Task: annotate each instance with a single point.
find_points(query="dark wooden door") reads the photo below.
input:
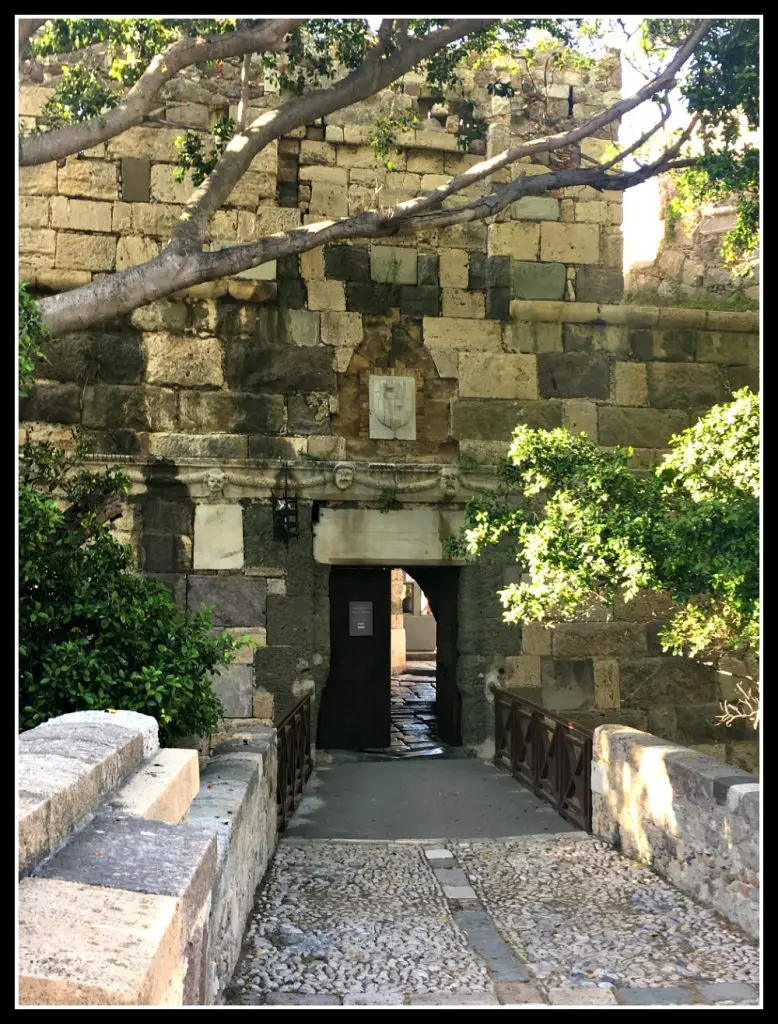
(441, 585)
(354, 712)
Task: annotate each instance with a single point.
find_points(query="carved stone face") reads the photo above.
(449, 480)
(344, 475)
(215, 479)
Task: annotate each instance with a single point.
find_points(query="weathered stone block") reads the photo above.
(88, 179)
(229, 412)
(303, 325)
(347, 262)
(393, 265)
(38, 181)
(277, 367)
(34, 242)
(514, 238)
(535, 208)
(476, 270)
(567, 684)
(459, 302)
(186, 361)
(132, 250)
(538, 280)
(597, 639)
(495, 419)
(52, 403)
(326, 295)
(684, 386)
(461, 333)
(237, 600)
(569, 243)
(573, 375)
(599, 284)
(166, 552)
(419, 300)
(34, 212)
(606, 683)
(630, 385)
(498, 303)
(495, 375)
(453, 268)
(308, 414)
(133, 408)
(136, 180)
(79, 215)
(234, 686)
(654, 682)
(218, 537)
(728, 348)
(640, 428)
(85, 252)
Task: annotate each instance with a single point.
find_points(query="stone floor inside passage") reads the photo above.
(389, 888)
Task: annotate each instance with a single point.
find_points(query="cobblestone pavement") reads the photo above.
(554, 919)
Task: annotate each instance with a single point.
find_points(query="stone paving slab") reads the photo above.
(670, 996)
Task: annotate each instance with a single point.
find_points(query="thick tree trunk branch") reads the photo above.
(27, 29)
(40, 149)
(378, 70)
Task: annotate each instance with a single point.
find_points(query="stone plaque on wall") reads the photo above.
(393, 408)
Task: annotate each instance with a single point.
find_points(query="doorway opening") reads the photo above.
(413, 690)
(392, 690)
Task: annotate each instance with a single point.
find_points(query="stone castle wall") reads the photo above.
(516, 320)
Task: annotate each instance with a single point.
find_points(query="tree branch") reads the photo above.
(62, 142)
(378, 70)
(27, 29)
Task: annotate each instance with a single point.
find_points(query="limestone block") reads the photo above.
(569, 243)
(580, 417)
(37, 241)
(34, 212)
(61, 280)
(640, 428)
(684, 385)
(573, 375)
(494, 419)
(234, 686)
(162, 789)
(393, 265)
(522, 671)
(453, 268)
(77, 215)
(332, 133)
(728, 348)
(317, 153)
(85, 252)
(112, 947)
(535, 639)
(165, 188)
(157, 144)
(446, 362)
(186, 361)
(426, 163)
(88, 179)
(535, 208)
(312, 265)
(593, 213)
(463, 236)
(136, 180)
(519, 336)
(328, 200)
(272, 220)
(376, 537)
(157, 219)
(531, 280)
(236, 600)
(251, 188)
(32, 99)
(567, 683)
(497, 375)
(132, 250)
(194, 115)
(598, 639)
(341, 329)
(459, 302)
(514, 238)
(323, 447)
(218, 537)
(326, 295)
(303, 326)
(460, 333)
(606, 683)
(337, 177)
(600, 284)
(40, 180)
(630, 385)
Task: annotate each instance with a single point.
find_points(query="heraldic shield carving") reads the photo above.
(393, 408)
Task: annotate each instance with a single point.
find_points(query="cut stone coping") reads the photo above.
(633, 316)
(66, 930)
(67, 766)
(163, 788)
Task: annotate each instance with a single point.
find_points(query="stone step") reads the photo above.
(87, 945)
(162, 789)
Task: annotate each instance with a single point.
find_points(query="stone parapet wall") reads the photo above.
(694, 820)
(138, 876)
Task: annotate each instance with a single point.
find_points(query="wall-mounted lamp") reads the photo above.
(285, 518)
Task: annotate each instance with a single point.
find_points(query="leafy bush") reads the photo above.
(93, 634)
(582, 525)
(32, 333)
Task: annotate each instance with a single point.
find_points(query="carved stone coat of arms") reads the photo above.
(393, 408)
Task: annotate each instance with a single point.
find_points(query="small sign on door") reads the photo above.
(360, 618)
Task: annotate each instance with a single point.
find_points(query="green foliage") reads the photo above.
(191, 157)
(383, 133)
(32, 334)
(722, 89)
(734, 304)
(93, 634)
(471, 126)
(79, 96)
(582, 524)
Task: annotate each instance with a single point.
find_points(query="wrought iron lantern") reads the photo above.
(285, 517)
